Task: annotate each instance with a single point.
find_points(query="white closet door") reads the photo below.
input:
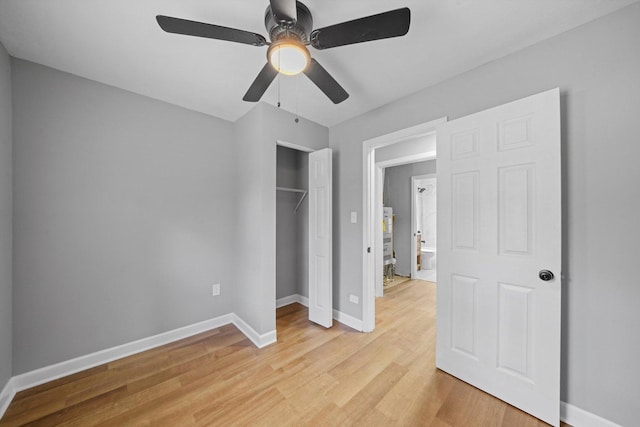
(320, 238)
(499, 228)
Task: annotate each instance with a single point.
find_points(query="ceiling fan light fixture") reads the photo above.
(288, 57)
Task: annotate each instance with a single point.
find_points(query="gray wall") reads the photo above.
(251, 291)
(256, 136)
(596, 67)
(397, 194)
(124, 216)
(6, 280)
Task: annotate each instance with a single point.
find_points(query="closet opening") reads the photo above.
(292, 227)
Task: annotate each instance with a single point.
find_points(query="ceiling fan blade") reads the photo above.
(385, 25)
(327, 84)
(284, 10)
(261, 83)
(200, 29)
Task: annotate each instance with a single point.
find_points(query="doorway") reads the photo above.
(424, 227)
(292, 220)
(399, 237)
(395, 149)
(304, 232)
(499, 222)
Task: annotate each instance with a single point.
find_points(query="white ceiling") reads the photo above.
(118, 42)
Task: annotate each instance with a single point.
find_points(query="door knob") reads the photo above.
(545, 275)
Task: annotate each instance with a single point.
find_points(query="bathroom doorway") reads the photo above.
(399, 226)
(424, 227)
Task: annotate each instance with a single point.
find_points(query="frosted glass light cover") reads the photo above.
(289, 59)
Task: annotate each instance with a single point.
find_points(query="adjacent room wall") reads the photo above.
(397, 194)
(6, 280)
(124, 216)
(596, 67)
(256, 134)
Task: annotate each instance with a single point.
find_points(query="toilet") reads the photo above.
(428, 258)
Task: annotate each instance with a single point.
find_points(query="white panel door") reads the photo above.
(499, 226)
(320, 230)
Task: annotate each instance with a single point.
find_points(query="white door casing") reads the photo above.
(499, 224)
(320, 238)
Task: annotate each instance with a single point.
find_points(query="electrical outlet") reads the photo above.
(354, 299)
(215, 289)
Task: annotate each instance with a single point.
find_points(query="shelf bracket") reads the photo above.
(295, 190)
(300, 202)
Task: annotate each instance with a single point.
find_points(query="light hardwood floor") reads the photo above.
(312, 376)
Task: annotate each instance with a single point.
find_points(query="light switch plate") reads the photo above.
(354, 217)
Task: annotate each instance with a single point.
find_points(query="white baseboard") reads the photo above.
(68, 367)
(345, 319)
(569, 414)
(6, 396)
(281, 302)
(72, 366)
(291, 299)
(577, 417)
(260, 340)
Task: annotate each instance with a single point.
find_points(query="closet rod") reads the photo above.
(295, 190)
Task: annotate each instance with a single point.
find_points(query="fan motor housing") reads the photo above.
(300, 29)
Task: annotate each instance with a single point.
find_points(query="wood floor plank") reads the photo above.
(312, 376)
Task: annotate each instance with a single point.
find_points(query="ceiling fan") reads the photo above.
(289, 24)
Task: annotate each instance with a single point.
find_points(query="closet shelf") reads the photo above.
(294, 190)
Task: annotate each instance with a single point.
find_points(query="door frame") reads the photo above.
(372, 212)
(302, 149)
(293, 146)
(414, 220)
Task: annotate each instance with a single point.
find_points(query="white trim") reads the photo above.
(260, 340)
(6, 396)
(577, 417)
(369, 174)
(405, 160)
(368, 294)
(377, 247)
(291, 299)
(68, 367)
(339, 316)
(281, 302)
(569, 414)
(347, 320)
(71, 366)
(294, 146)
(423, 129)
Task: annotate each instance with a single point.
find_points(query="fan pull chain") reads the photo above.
(279, 78)
(297, 119)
